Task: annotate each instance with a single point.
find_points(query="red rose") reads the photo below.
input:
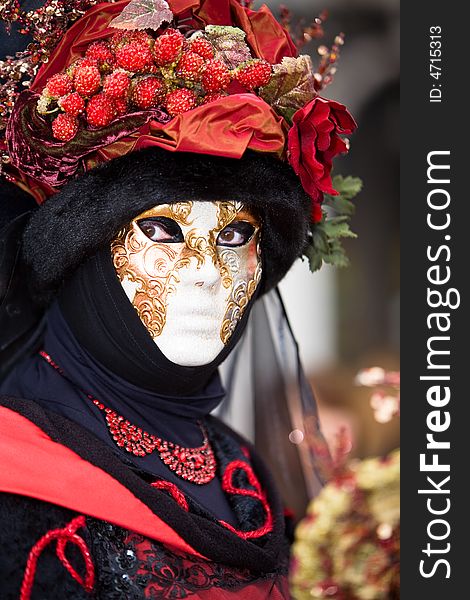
(313, 142)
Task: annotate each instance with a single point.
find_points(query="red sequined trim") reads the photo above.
(257, 493)
(197, 465)
(63, 536)
(172, 489)
(229, 488)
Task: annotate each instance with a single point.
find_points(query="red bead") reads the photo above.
(193, 464)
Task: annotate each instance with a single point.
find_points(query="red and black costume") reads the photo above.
(146, 532)
(143, 542)
(216, 105)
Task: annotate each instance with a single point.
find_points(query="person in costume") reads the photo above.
(157, 141)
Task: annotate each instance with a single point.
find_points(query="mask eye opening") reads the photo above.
(236, 234)
(161, 229)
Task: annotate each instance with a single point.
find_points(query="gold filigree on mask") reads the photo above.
(226, 213)
(174, 279)
(152, 268)
(198, 247)
(150, 271)
(243, 288)
(155, 277)
(180, 212)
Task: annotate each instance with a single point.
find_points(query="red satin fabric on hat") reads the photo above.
(213, 12)
(226, 127)
(267, 38)
(181, 6)
(231, 124)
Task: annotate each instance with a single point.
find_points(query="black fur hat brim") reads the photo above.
(89, 211)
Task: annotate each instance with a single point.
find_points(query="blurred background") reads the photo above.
(348, 319)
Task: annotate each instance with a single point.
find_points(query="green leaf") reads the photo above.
(291, 86)
(338, 227)
(347, 188)
(325, 245)
(314, 257)
(229, 44)
(320, 239)
(337, 258)
(340, 205)
(143, 14)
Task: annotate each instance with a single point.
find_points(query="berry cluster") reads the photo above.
(135, 71)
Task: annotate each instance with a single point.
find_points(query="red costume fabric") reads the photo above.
(103, 542)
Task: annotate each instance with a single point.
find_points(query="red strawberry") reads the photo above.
(216, 76)
(120, 104)
(121, 38)
(101, 52)
(168, 47)
(59, 85)
(135, 57)
(171, 31)
(190, 66)
(81, 62)
(203, 47)
(116, 84)
(86, 79)
(253, 74)
(100, 110)
(64, 127)
(73, 104)
(148, 92)
(180, 101)
(212, 97)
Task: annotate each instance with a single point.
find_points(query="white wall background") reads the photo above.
(310, 300)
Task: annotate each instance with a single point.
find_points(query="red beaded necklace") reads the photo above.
(193, 464)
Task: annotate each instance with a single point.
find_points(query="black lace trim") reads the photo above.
(132, 566)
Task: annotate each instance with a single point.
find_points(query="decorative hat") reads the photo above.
(199, 77)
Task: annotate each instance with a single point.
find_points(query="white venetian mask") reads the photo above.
(190, 269)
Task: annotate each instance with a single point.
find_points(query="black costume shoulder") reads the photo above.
(129, 563)
(25, 521)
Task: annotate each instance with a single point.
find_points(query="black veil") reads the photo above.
(270, 401)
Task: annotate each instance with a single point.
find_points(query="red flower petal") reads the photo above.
(313, 142)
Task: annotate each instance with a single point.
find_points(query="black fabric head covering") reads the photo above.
(87, 214)
(106, 324)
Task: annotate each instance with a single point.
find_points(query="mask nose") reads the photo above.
(206, 276)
